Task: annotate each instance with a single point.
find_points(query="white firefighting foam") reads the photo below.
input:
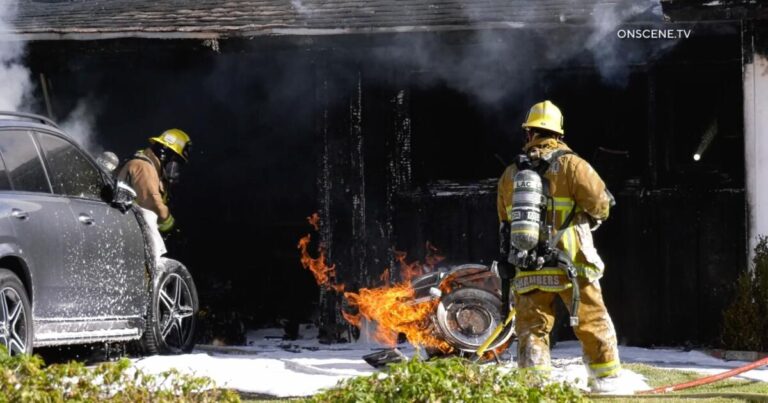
(274, 367)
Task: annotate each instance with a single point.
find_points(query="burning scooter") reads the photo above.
(467, 312)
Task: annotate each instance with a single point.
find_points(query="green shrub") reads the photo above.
(25, 378)
(761, 283)
(745, 320)
(448, 380)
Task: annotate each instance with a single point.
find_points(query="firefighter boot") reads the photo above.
(609, 385)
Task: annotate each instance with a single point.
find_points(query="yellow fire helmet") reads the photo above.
(545, 115)
(176, 140)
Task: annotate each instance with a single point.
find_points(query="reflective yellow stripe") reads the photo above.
(565, 240)
(166, 225)
(604, 364)
(538, 368)
(607, 373)
(588, 271)
(602, 370)
(543, 288)
(571, 248)
(563, 207)
(563, 202)
(542, 272)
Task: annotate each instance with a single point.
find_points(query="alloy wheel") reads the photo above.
(175, 311)
(13, 322)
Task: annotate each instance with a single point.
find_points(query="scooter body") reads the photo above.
(468, 308)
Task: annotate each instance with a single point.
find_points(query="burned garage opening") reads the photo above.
(396, 137)
(251, 179)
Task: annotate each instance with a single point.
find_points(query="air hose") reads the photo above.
(576, 293)
(565, 262)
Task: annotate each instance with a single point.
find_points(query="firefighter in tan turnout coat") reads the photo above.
(577, 191)
(149, 172)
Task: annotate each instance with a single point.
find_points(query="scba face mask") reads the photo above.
(172, 171)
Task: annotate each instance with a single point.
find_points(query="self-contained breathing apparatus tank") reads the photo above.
(528, 210)
(528, 221)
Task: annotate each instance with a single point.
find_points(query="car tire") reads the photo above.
(15, 315)
(172, 315)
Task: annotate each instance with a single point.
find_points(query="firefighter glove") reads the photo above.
(167, 224)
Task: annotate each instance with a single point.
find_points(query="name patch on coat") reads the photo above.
(538, 280)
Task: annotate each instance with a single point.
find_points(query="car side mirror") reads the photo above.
(123, 196)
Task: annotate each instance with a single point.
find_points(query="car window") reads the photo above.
(5, 183)
(70, 171)
(22, 161)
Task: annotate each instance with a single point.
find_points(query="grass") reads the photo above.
(728, 390)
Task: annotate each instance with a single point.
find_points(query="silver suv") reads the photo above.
(75, 262)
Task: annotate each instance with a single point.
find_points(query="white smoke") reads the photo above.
(16, 87)
(492, 65)
(80, 124)
(611, 59)
(606, 18)
(300, 7)
(15, 78)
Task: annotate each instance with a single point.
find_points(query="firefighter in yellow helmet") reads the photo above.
(150, 172)
(579, 201)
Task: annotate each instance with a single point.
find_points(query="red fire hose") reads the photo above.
(707, 379)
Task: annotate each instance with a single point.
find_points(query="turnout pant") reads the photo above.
(535, 318)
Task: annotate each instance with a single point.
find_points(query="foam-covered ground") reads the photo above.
(271, 366)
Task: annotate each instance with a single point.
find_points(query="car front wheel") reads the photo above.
(171, 318)
(15, 315)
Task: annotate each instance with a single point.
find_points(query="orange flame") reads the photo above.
(314, 221)
(408, 271)
(394, 311)
(391, 307)
(385, 277)
(432, 257)
(324, 275)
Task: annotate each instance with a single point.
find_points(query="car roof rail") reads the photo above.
(30, 116)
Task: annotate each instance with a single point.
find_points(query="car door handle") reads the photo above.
(85, 219)
(21, 215)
